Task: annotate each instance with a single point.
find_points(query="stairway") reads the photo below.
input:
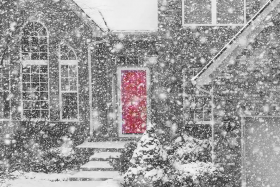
(98, 167)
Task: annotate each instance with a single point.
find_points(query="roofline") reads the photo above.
(84, 17)
(231, 41)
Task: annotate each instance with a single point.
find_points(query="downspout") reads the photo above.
(212, 121)
(90, 92)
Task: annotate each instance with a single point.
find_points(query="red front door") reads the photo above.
(134, 101)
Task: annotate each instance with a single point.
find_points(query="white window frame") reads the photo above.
(6, 62)
(119, 70)
(213, 16)
(35, 62)
(69, 63)
(196, 121)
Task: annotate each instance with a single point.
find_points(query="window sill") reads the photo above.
(69, 120)
(213, 25)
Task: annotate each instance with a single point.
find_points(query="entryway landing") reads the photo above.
(103, 145)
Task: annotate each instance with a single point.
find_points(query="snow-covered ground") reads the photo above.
(54, 180)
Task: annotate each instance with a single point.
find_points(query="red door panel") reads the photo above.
(134, 101)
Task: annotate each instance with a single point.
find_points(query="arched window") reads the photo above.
(35, 71)
(68, 65)
(67, 53)
(34, 42)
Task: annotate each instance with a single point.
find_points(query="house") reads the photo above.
(66, 66)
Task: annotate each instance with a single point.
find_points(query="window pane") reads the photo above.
(64, 71)
(26, 78)
(35, 56)
(35, 78)
(26, 86)
(73, 84)
(44, 114)
(43, 56)
(26, 69)
(43, 40)
(72, 71)
(27, 105)
(64, 84)
(43, 95)
(25, 48)
(25, 56)
(64, 57)
(4, 105)
(230, 12)
(71, 55)
(43, 69)
(44, 87)
(43, 48)
(197, 12)
(69, 106)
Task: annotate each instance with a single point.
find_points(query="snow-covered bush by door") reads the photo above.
(148, 163)
(184, 162)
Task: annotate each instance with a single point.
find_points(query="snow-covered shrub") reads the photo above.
(122, 164)
(188, 149)
(149, 164)
(41, 147)
(190, 160)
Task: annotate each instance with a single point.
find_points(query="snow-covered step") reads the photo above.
(103, 145)
(94, 175)
(97, 166)
(105, 156)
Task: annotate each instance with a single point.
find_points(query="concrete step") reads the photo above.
(94, 175)
(109, 145)
(97, 166)
(105, 156)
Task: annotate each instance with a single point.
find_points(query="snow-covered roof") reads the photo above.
(239, 41)
(122, 15)
(96, 30)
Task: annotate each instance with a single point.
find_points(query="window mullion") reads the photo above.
(214, 11)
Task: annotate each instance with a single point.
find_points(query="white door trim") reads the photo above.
(119, 69)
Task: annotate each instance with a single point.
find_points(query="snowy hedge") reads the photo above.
(184, 162)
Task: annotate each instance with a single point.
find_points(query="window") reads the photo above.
(5, 96)
(35, 74)
(214, 12)
(68, 83)
(196, 102)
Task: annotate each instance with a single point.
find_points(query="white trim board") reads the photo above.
(119, 69)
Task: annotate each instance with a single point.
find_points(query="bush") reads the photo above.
(190, 161)
(41, 147)
(122, 164)
(149, 164)
(187, 163)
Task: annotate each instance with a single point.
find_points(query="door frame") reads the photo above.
(243, 145)
(119, 69)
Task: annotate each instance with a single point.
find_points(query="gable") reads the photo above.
(240, 41)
